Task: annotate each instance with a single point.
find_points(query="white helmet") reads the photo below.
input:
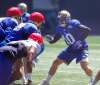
(64, 14)
(63, 17)
(23, 7)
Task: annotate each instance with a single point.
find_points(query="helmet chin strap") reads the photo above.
(63, 25)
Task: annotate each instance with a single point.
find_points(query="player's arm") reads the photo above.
(53, 38)
(84, 27)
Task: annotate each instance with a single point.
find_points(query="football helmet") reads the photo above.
(14, 11)
(36, 17)
(63, 17)
(23, 7)
(36, 37)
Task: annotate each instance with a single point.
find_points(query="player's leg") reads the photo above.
(29, 72)
(52, 71)
(87, 69)
(63, 57)
(27, 66)
(5, 69)
(16, 74)
(85, 66)
(84, 63)
(95, 79)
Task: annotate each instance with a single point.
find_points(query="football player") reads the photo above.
(11, 21)
(18, 49)
(74, 35)
(25, 15)
(23, 30)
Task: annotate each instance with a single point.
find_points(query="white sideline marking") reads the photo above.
(90, 44)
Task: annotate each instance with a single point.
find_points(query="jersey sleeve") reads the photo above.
(56, 36)
(74, 22)
(25, 17)
(9, 22)
(29, 29)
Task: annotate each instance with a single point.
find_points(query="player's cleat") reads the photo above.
(29, 82)
(44, 82)
(91, 81)
(90, 84)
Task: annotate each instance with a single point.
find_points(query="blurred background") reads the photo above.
(87, 11)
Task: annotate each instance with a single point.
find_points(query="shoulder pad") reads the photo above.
(74, 22)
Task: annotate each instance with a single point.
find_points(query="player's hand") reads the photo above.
(49, 38)
(77, 45)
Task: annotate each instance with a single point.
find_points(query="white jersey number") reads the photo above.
(69, 39)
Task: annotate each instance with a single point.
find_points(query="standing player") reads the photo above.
(18, 49)
(11, 21)
(25, 15)
(74, 34)
(95, 79)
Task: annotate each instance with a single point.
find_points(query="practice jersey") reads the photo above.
(73, 35)
(29, 43)
(22, 31)
(8, 22)
(25, 17)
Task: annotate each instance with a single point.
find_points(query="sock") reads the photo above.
(91, 78)
(29, 76)
(48, 78)
(25, 79)
(94, 81)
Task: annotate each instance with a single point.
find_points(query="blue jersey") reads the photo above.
(8, 22)
(5, 69)
(73, 34)
(22, 31)
(6, 26)
(2, 35)
(25, 17)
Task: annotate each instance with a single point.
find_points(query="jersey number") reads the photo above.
(69, 39)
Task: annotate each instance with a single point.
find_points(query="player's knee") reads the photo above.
(84, 65)
(57, 62)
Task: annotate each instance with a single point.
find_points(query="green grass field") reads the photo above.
(66, 75)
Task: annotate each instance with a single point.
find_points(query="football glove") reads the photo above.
(77, 45)
(49, 38)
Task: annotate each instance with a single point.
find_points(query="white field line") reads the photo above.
(95, 50)
(65, 71)
(68, 80)
(94, 44)
(44, 63)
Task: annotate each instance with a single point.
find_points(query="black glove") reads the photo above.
(49, 38)
(77, 45)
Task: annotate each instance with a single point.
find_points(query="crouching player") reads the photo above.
(74, 34)
(18, 49)
(7, 24)
(8, 55)
(24, 68)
